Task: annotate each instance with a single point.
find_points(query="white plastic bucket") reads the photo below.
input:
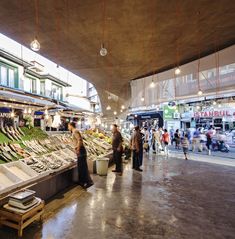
(102, 165)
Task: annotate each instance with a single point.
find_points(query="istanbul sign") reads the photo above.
(214, 113)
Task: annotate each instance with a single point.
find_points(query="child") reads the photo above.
(185, 146)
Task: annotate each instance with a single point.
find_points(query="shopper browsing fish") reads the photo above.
(84, 178)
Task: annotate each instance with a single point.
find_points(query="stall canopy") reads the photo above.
(18, 98)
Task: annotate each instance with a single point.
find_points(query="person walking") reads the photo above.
(153, 141)
(177, 139)
(172, 135)
(185, 146)
(158, 136)
(196, 139)
(208, 142)
(135, 144)
(117, 149)
(146, 140)
(165, 141)
(84, 178)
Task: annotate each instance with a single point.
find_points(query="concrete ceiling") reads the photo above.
(141, 36)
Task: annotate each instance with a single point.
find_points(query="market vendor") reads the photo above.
(117, 149)
(84, 178)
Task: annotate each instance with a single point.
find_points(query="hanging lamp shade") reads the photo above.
(35, 45)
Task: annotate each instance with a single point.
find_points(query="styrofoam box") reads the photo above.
(40, 175)
(102, 144)
(69, 152)
(8, 180)
(64, 154)
(22, 171)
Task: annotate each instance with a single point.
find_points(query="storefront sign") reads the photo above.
(214, 113)
(169, 112)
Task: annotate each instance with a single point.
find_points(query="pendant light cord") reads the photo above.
(103, 27)
(36, 18)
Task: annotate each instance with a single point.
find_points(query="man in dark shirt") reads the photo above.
(117, 149)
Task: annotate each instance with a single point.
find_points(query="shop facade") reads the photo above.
(221, 118)
(148, 120)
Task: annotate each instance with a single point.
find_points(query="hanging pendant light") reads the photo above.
(121, 111)
(103, 50)
(35, 45)
(177, 71)
(12, 114)
(142, 99)
(46, 112)
(108, 107)
(29, 111)
(214, 102)
(123, 107)
(152, 84)
(200, 92)
(25, 111)
(115, 112)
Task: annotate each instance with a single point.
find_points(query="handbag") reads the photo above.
(146, 145)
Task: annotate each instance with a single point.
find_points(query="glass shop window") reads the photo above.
(56, 92)
(3, 75)
(11, 78)
(8, 75)
(33, 88)
(42, 88)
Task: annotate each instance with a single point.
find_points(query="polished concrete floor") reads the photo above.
(172, 198)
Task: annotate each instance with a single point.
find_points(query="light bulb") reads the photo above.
(198, 107)
(214, 103)
(25, 111)
(115, 112)
(108, 107)
(103, 50)
(29, 111)
(177, 71)
(123, 107)
(152, 84)
(136, 116)
(121, 111)
(142, 98)
(35, 45)
(12, 114)
(200, 92)
(219, 105)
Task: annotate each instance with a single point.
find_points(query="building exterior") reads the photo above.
(17, 74)
(93, 97)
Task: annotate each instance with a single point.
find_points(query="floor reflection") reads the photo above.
(171, 198)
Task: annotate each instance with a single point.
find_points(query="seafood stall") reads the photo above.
(47, 164)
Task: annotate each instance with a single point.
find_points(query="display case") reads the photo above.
(50, 159)
(8, 180)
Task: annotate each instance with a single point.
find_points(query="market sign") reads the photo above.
(169, 111)
(214, 113)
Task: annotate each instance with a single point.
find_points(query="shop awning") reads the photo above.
(74, 108)
(13, 97)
